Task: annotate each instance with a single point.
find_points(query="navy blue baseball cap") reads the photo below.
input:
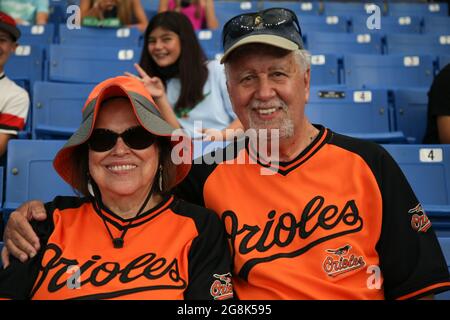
(277, 27)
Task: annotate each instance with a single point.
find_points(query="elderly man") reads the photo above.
(336, 219)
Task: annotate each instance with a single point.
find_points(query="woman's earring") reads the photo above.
(160, 178)
(89, 186)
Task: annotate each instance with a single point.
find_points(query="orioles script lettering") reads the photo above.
(281, 231)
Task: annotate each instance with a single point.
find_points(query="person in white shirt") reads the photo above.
(14, 101)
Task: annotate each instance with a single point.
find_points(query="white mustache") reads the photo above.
(276, 103)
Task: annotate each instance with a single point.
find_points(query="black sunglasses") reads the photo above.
(136, 138)
(276, 21)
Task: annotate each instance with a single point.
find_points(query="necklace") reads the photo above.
(119, 241)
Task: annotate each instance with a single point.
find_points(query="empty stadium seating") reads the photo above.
(342, 43)
(300, 8)
(417, 9)
(324, 69)
(93, 36)
(57, 109)
(89, 64)
(391, 71)
(311, 24)
(411, 112)
(388, 25)
(27, 65)
(225, 10)
(30, 174)
(360, 113)
(418, 43)
(436, 25)
(427, 168)
(353, 8)
(37, 35)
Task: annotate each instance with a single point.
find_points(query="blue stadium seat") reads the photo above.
(411, 106)
(86, 36)
(445, 246)
(392, 71)
(42, 35)
(226, 10)
(311, 24)
(427, 168)
(27, 64)
(443, 61)
(433, 44)
(30, 174)
(90, 64)
(302, 8)
(324, 69)
(321, 42)
(57, 109)
(418, 9)
(436, 25)
(352, 8)
(359, 113)
(407, 24)
(211, 42)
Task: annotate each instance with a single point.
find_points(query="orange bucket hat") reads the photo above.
(145, 111)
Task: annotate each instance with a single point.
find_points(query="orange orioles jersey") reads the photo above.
(174, 251)
(340, 221)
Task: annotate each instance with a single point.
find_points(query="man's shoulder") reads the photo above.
(10, 88)
(373, 154)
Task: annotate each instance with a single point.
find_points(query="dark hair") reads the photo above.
(192, 69)
(80, 175)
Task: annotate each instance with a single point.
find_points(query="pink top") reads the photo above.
(190, 11)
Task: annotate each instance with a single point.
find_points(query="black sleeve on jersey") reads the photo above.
(209, 255)
(409, 260)
(17, 280)
(439, 94)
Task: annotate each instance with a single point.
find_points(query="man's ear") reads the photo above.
(307, 82)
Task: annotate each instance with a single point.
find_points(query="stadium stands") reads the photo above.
(27, 65)
(418, 43)
(30, 173)
(359, 113)
(411, 112)
(417, 9)
(391, 71)
(211, 42)
(323, 24)
(57, 109)
(123, 37)
(300, 8)
(436, 25)
(342, 43)
(90, 64)
(388, 25)
(37, 35)
(427, 168)
(324, 69)
(227, 9)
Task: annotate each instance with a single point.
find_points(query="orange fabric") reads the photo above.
(151, 266)
(295, 254)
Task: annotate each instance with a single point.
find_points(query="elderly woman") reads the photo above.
(128, 237)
